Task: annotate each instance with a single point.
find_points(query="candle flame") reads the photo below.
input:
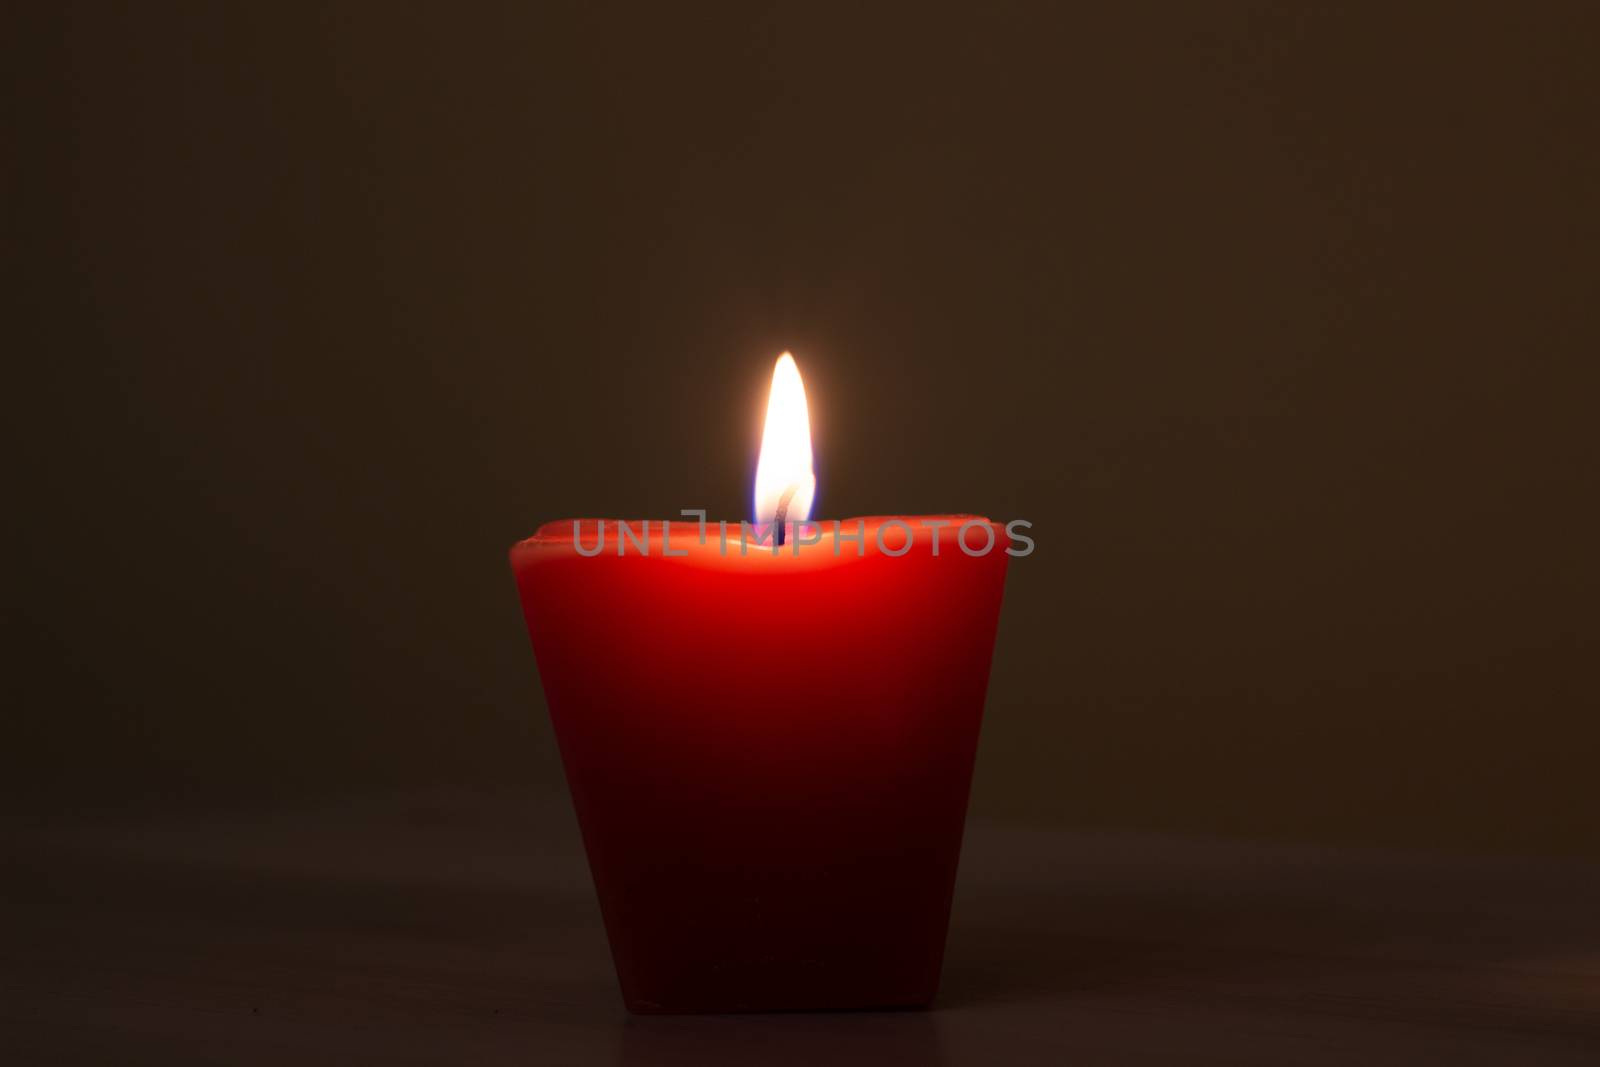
(785, 462)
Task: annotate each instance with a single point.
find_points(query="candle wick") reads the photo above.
(781, 517)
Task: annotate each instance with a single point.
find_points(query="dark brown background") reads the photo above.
(1276, 320)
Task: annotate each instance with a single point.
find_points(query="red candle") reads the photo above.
(769, 747)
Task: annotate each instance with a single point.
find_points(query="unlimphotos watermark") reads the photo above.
(974, 537)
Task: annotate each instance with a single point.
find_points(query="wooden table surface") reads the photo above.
(461, 929)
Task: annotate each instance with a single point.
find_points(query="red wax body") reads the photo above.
(769, 755)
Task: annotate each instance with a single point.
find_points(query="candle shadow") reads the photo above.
(839, 1039)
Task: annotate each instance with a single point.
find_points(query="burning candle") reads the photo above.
(768, 730)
